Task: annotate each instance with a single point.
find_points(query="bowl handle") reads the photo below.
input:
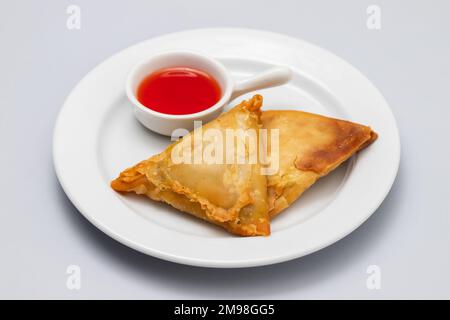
(272, 77)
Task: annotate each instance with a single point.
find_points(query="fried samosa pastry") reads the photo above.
(230, 194)
(310, 146)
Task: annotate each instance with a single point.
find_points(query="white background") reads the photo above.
(41, 233)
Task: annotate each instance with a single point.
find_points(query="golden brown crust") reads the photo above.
(311, 146)
(347, 138)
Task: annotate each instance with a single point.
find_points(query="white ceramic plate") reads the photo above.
(96, 136)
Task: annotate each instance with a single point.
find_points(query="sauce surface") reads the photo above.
(178, 91)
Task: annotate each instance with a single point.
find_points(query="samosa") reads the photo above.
(310, 147)
(194, 176)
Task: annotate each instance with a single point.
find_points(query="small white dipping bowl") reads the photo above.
(166, 123)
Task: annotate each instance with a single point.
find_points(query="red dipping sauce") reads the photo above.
(178, 91)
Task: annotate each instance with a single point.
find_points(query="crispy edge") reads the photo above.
(134, 180)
